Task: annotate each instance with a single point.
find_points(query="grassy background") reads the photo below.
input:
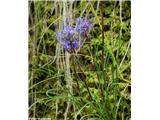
(100, 71)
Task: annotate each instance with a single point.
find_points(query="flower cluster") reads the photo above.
(71, 37)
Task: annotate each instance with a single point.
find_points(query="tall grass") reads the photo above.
(92, 83)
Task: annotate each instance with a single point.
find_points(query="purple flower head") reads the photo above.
(71, 36)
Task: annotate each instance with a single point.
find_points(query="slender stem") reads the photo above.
(74, 70)
(102, 11)
(103, 62)
(85, 80)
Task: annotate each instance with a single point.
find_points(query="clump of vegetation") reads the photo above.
(79, 60)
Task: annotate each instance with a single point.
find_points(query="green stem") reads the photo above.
(103, 62)
(84, 80)
(103, 72)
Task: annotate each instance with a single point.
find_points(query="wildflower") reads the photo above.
(71, 36)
